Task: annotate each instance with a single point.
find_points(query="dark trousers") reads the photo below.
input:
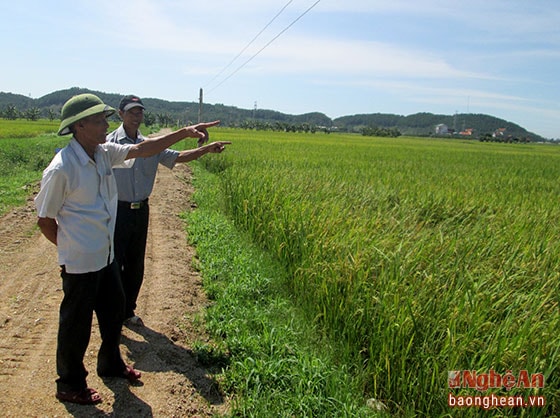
(131, 232)
(100, 292)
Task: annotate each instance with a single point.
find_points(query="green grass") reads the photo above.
(22, 162)
(416, 256)
(276, 366)
(26, 129)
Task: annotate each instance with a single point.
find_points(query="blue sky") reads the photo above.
(344, 57)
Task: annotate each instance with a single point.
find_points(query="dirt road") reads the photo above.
(174, 383)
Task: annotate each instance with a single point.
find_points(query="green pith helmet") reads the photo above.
(80, 107)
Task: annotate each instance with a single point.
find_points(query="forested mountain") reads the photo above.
(173, 112)
(166, 112)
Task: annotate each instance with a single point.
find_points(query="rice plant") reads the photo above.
(417, 256)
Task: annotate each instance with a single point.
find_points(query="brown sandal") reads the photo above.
(86, 396)
(131, 375)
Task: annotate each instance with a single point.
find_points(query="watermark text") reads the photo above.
(495, 401)
(471, 379)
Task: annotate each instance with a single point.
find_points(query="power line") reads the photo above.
(264, 47)
(250, 43)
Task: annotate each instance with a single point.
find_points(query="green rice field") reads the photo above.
(414, 258)
(419, 257)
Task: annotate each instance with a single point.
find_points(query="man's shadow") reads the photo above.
(126, 402)
(175, 358)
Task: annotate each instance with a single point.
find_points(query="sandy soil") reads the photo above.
(174, 384)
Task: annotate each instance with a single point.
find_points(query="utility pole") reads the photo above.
(455, 122)
(200, 141)
(200, 106)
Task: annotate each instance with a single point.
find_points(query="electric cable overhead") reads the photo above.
(250, 43)
(264, 47)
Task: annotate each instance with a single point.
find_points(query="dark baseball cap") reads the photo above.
(130, 101)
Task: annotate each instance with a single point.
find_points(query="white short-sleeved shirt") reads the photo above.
(81, 194)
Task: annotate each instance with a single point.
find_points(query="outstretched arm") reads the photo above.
(193, 154)
(153, 146)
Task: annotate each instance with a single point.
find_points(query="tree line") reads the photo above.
(11, 112)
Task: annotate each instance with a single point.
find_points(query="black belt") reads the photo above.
(133, 205)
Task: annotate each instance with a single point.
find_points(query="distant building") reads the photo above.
(499, 133)
(467, 132)
(442, 129)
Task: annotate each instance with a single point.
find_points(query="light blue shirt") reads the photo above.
(81, 194)
(136, 184)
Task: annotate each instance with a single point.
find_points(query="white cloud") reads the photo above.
(321, 56)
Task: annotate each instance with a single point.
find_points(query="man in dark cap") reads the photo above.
(134, 187)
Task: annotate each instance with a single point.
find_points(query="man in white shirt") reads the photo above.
(76, 210)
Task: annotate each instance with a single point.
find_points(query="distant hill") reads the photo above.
(422, 124)
(177, 111)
